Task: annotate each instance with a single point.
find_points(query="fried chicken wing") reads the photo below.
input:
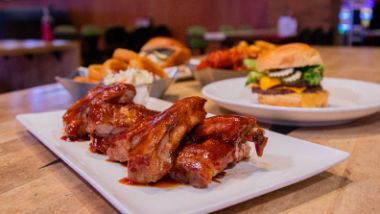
(120, 144)
(114, 119)
(178, 141)
(220, 59)
(215, 144)
(113, 106)
(198, 163)
(75, 119)
(104, 111)
(231, 128)
(154, 154)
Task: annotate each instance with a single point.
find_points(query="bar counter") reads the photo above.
(29, 63)
(34, 180)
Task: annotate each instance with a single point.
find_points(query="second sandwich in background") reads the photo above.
(166, 52)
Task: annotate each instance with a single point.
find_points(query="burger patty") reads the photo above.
(300, 83)
(278, 90)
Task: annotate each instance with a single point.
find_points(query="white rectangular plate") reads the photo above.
(286, 161)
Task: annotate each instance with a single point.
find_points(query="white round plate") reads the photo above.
(348, 100)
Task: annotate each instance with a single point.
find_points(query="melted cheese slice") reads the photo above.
(266, 83)
(296, 90)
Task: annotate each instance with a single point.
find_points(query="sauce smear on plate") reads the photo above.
(165, 182)
(72, 139)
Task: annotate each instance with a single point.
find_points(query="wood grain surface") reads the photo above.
(33, 180)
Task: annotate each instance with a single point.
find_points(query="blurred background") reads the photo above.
(96, 27)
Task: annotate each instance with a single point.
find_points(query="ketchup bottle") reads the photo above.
(46, 25)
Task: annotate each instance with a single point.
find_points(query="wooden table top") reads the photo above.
(33, 179)
(11, 47)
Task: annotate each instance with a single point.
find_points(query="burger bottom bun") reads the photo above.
(306, 100)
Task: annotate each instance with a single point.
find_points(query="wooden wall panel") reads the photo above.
(179, 14)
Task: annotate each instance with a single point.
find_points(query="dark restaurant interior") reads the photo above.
(197, 106)
(102, 26)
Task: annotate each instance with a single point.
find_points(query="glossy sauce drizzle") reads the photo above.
(124, 164)
(73, 139)
(165, 182)
(219, 176)
(98, 144)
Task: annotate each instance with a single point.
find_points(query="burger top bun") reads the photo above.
(288, 56)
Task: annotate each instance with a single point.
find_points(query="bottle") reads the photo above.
(46, 25)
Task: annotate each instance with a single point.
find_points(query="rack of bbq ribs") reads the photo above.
(178, 142)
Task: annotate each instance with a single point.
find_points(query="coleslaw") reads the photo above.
(132, 76)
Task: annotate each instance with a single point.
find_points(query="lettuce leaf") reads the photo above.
(253, 76)
(313, 74)
(250, 63)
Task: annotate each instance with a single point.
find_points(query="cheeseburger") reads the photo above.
(289, 75)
